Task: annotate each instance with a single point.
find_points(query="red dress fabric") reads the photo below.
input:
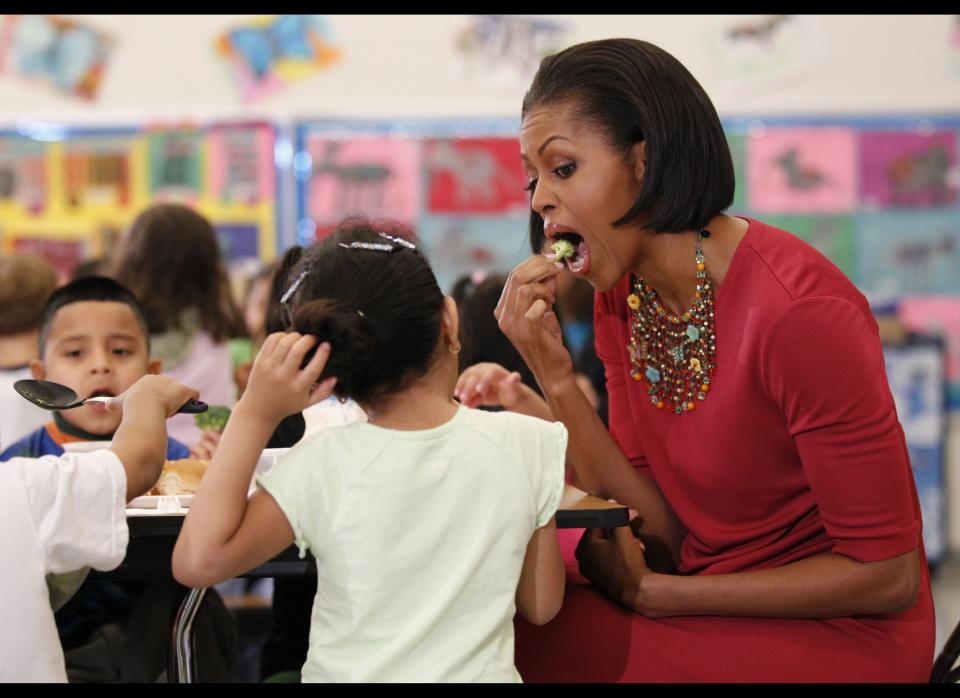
(796, 451)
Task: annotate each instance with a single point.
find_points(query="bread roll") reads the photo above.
(180, 477)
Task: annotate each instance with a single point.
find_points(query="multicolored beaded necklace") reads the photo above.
(673, 356)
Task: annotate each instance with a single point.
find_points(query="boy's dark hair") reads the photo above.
(380, 309)
(634, 91)
(26, 282)
(171, 260)
(90, 288)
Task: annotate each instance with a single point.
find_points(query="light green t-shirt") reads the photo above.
(419, 538)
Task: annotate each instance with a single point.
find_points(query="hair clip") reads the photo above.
(378, 246)
(294, 286)
(399, 241)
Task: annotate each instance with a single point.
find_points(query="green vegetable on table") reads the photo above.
(563, 249)
(214, 419)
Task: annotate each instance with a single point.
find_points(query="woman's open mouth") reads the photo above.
(577, 261)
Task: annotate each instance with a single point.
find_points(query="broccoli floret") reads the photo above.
(563, 249)
(214, 419)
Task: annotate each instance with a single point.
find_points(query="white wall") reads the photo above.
(164, 67)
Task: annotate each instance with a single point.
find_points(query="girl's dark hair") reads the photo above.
(274, 320)
(171, 261)
(379, 309)
(481, 337)
(634, 91)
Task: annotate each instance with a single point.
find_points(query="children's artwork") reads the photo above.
(63, 254)
(271, 52)
(802, 170)
(458, 246)
(507, 49)
(833, 236)
(938, 316)
(909, 254)
(97, 171)
(23, 173)
(376, 177)
(241, 166)
(738, 152)
(238, 240)
(915, 373)
(475, 176)
(70, 55)
(748, 51)
(953, 45)
(175, 164)
(904, 169)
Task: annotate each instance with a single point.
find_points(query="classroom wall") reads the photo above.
(163, 70)
(165, 67)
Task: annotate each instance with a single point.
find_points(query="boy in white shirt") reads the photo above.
(58, 514)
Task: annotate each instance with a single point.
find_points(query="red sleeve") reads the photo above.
(822, 364)
(607, 329)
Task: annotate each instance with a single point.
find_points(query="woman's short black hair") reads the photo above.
(634, 91)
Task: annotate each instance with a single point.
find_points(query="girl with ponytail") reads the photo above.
(431, 524)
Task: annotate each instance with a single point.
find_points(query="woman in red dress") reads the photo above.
(751, 424)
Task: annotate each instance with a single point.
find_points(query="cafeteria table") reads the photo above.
(154, 534)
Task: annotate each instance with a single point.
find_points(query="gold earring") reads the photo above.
(454, 348)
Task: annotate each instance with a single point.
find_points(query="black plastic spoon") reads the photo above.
(53, 396)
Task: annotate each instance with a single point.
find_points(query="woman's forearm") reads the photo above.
(604, 471)
(823, 586)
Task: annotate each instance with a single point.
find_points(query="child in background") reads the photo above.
(431, 523)
(25, 284)
(171, 261)
(93, 339)
(58, 514)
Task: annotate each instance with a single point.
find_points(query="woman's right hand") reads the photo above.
(525, 316)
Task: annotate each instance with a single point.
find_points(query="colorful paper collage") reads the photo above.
(175, 164)
(377, 177)
(938, 316)
(268, 54)
(909, 254)
(915, 372)
(738, 151)
(903, 169)
(241, 163)
(462, 245)
(69, 55)
(768, 51)
(834, 236)
(476, 176)
(23, 173)
(802, 170)
(507, 49)
(98, 172)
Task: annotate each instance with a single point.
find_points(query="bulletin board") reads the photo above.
(458, 183)
(878, 196)
(68, 193)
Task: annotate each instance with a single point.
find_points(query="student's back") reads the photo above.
(420, 538)
(431, 524)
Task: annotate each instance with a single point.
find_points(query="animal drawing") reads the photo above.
(473, 170)
(761, 31)
(799, 176)
(921, 177)
(361, 186)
